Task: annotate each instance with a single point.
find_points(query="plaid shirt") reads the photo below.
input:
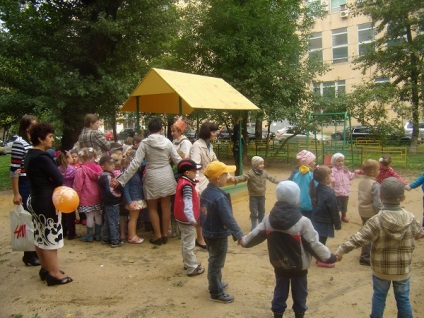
(392, 235)
(95, 139)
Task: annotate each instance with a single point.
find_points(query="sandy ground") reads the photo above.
(146, 281)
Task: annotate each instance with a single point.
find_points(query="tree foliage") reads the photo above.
(396, 53)
(69, 58)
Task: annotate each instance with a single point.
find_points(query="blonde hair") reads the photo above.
(87, 154)
(369, 165)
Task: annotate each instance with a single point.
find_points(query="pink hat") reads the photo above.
(180, 124)
(305, 157)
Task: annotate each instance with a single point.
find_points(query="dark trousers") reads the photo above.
(217, 249)
(68, 224)
(299, 289)
(366, 249)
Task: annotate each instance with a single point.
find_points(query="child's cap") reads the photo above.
(336, 156)
(187, 165)
(392, 190)
(105, 159)
(288, 192)
(256, 160)
(216, 168)
(112, 150)
(305, 157)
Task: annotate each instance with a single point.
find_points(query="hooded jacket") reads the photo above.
(302, 176)
(392, 234)
(86, 183)
(291, 238)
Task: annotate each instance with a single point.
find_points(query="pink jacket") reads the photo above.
(86, 183)
(341, 181)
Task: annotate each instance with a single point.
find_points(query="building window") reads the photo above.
(393, 36)
(340, 49)
(365, 38)
(315, 46)
(330, 89)
(335, 5)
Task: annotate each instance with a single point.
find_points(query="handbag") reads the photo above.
(22, 230)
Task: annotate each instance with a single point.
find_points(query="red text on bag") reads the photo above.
(20, 231)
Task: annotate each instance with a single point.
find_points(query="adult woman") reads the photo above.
(44, 177)
(20, 184)
(159, 182)
(180, 142)
(202, 153)
(91, 136)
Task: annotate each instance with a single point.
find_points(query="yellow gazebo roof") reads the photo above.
(160, 92)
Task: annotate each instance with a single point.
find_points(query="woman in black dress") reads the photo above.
(44, 177)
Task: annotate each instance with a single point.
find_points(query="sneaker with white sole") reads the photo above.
(225, 298)
(199, 270)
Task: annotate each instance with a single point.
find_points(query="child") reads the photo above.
(325, 215)
(341, 183)
(187, 213)
(64, 163)
(75, 159)
(415, 184)
(303, 176)
(123, 212)
(392, 234)
(87, 187)
(111, 198)
(387, 171)
(133, 198)
(256, 185)
(292, 241)
(217, 223)
(369, 203)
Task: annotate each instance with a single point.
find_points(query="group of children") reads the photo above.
(110, 213)
(305, 214)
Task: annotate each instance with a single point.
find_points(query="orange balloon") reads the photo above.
(65, 199)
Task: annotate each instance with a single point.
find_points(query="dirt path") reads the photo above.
(144, 281)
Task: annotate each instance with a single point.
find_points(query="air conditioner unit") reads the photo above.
(344, 14)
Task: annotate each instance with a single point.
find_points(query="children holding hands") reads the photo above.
(392, 234)
(217, 223)
(292, 241)
(256, 185)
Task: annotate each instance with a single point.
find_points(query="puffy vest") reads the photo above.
(179, 203)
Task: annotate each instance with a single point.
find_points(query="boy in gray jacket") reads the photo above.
(292, 241)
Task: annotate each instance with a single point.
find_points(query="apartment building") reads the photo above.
(336, 40)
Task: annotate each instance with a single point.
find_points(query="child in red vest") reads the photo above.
(187, 213)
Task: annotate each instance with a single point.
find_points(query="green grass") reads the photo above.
(5, 183)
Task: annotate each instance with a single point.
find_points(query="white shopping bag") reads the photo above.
(22, 230)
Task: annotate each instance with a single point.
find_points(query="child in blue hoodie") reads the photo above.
(292, 241)
(302, 176)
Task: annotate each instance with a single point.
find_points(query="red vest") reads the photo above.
(179, 203)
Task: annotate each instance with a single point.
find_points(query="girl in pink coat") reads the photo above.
(341, 183)
(87, 187)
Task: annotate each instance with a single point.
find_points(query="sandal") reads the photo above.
(44, 272)
(52, 281)
(136, 240)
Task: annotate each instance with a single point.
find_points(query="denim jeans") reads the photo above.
(257, 207)
(365, 249)
(111, 223)
(217, 249)
(299, 289)
(401, 290)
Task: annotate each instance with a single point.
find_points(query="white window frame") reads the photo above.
(339, 87)
(314, 36)
(365, 27)
(338, 32)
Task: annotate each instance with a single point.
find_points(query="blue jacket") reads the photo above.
(133, 189)
(216, 214)
(303, 179)
(418, 182)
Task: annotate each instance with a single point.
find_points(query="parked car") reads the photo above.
(223, 134)
(109, 135)
(6, 147)
(190, 134)
(125, 133)
(251, 134)
(355, 131)
(408, 130)
(370, 133)
(289, 131)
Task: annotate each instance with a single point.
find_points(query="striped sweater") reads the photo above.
(19, 149)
